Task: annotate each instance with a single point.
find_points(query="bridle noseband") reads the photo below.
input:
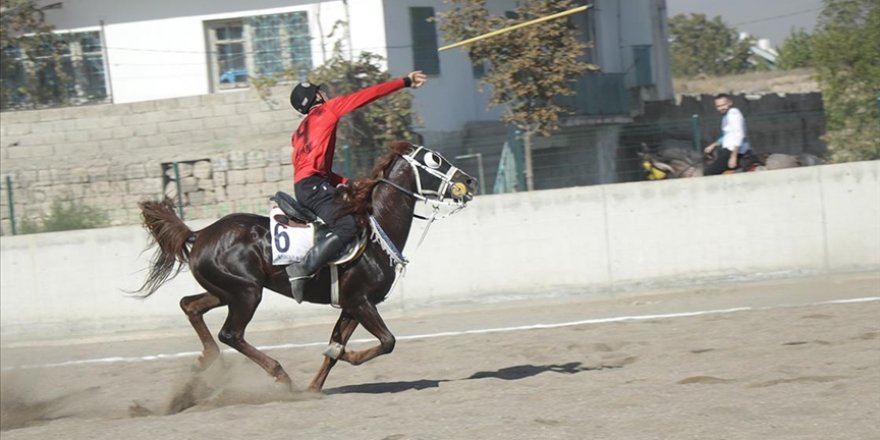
(437, 197)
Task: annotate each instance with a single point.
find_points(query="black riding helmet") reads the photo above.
(303, 96)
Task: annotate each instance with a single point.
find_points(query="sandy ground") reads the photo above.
(770, 360)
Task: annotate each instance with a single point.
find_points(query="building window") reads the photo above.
(68, 69)
(424, 36)
(263, 45)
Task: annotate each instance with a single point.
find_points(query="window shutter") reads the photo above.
(642, 62)
(424, 37)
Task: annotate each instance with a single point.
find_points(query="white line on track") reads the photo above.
(115, 359)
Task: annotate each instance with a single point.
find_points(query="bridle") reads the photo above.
(434, 197)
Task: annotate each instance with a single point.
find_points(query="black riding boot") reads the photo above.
(315, 259)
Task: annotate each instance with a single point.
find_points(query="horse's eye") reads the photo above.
(433, 161)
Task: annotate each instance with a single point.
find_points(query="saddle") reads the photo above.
(297, 214)
(293, 209)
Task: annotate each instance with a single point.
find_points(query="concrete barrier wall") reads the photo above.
(597, 240)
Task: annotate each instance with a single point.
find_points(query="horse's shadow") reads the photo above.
(517, 372)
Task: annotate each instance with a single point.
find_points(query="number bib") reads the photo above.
(289, 243)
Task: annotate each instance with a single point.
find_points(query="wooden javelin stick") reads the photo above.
(515, 27)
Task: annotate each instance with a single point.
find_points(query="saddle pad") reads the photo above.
(289, 243)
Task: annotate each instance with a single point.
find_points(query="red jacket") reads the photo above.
(314, 141)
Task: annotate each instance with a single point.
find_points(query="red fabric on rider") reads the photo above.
(314, 141)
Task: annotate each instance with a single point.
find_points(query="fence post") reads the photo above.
(179, 192)
(11, 203)
(346, 157)
(517, 148)
(695, 131)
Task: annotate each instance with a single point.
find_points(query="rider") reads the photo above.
(314, 182)
(733, 138)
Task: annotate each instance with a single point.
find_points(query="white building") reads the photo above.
(137, 51)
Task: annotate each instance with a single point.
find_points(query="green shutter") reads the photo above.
(642, 61)
(424, 36)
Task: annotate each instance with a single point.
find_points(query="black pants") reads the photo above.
(317, 194)
(719, 165)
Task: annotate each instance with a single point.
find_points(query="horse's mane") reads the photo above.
(359, 194)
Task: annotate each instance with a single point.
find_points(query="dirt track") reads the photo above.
(786, 365)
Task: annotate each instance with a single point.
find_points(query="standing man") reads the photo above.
(314, 182)
(733, 138)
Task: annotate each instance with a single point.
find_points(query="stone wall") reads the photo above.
(233, 150)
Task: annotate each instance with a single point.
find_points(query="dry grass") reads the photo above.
(754, 83)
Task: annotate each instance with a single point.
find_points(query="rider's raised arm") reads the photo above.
(346, 103)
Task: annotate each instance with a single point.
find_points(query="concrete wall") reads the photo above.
(597, 240)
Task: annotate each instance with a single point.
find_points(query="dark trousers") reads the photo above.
(317, 194)
(719, 165)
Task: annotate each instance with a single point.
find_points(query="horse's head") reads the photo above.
(437, 180)
(655, 170)
(669, 163)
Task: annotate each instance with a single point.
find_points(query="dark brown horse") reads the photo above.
(232, 259)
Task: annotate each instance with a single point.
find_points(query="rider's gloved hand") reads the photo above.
(415, 79)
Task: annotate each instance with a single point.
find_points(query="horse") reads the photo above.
(675, 163)
(232, 259)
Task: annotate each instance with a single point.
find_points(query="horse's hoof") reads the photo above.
(334, 350)
(284, 385)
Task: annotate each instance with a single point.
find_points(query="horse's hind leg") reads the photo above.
(367, 315)
(195, 306)
(240, 313)
(343, 330)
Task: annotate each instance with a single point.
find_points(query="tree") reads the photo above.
(527, 68)
(700, 46)
(31, 71)
(796, 51)
(369, 130)
(846, 52)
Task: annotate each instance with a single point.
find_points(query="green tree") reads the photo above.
(796, 51)
(366, 131)
(29, 51)
(846, 52)
(528, 68)
(700, 46)
(369, 130)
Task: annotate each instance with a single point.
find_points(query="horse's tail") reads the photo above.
(173, 238)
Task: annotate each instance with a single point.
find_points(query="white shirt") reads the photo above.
(733, 131)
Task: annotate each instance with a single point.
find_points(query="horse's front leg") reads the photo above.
(195, 306)
(368, 316)
(343, 330)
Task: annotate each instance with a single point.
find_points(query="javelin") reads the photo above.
(515, 27)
